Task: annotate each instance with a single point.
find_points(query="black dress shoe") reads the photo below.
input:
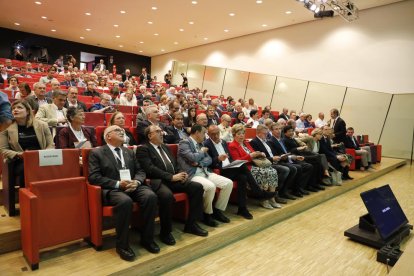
(319, 187)
(298, 194)
(311, 189)
(244, 213)
(280, 200)
(209, 221)
(126, 254)
(168, 239)
(348, 177)
(151, 247)
(218, 215)
(287, 196)
(303, 192)
(195, 229)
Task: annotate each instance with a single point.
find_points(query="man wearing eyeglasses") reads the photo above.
(159, 163)
(72, 99)
(116, 170)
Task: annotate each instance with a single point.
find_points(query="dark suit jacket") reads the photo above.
(275, 146)
(141, 126)
(283, 116)
(172, 136)
(291, 145)
(326, 148)
(216, 164)
(104, 169)
(257, 145)
(91, 93)
(350, 144)
(81, 105)
(153, 164)
(66, 138)
(339, 130)
(211, 122)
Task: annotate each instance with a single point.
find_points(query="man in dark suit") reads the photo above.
(303, 169)
(284, 115)
(176, 132)
(145, 78)
(220, 156)
(153, 118)
(116, 170)
(338, 125)
(159, 163)
(72, 99)
(364, 151)
(90, 90)
(212, 118)
(286, 174)
(314, 159)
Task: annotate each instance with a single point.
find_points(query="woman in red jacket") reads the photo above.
(265, 177)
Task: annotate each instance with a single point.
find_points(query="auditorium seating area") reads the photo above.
(68, 183)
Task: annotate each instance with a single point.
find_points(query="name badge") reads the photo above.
(125, 175)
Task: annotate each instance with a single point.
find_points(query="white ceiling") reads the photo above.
(210, 17)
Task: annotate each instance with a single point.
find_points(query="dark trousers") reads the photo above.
(165, 204)
(316, 161)
(122, 203)
(285, 177)
(303, 174)
(195, 193)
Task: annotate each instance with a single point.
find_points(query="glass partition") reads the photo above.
(213, 80)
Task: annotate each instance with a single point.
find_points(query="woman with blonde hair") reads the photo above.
(266, 177)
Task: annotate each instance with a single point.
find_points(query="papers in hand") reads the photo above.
(235, 164)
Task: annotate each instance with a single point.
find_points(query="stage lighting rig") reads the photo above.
(345, 8)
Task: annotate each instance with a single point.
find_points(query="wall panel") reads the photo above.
(289, 93)
(235, 83)
(195, 74)
(178, 68)
(260, 88)
(365, 111)
(213, 80)
(397, 136)
(323, 97)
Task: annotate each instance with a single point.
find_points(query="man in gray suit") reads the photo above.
(194, 159)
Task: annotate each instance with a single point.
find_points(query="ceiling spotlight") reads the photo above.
(156, 34)
(288, 12)
(88, 30)
(53, 30)
(191, 23)
(175, 42)
(162, 50)
(17, 24)
(44, 17)
(264, 25)
(38, 3)
(313, 7)
(181, 30)
(141, 42)
(116, 25)
(226, 31)
(117, 36)
(87, 13)
(150, 22)
(141, 51)
(121, 46)
(232, 14)
(154, 8)
(259, 1)
(123, 12)
(206, 38)
(194, 2)
(81, 37)
(322, 14)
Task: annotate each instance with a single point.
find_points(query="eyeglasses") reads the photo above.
(118, 130)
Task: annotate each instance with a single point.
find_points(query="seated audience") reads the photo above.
(103, 106)
(240, 119)
(105, 166)
(225, 128)
(49, 77)
(75, 135)
(163, 105)
(25, 133)
(363, 151)
(220, 155)
(90, 90)
(72, 100)
(194, 160)
(39, 97)
(190, 120)
(319, 123)
(3, 73)
(253, 121)
(68, 82)
(55, 85)
(252, 105)
(176, 131)
(13, 86)
(118, 119)
(128, 98)
(54, 114)
(212, 119)
(24, 91)
(161, 165)
(266, 177)
(152, 118)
